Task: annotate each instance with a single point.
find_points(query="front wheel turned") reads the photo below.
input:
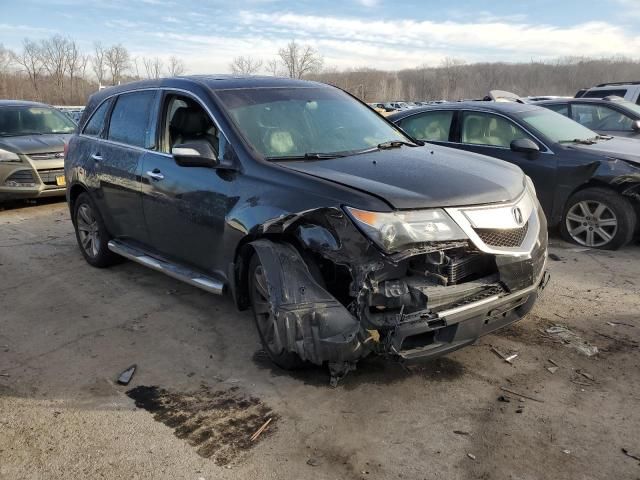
(273, 340)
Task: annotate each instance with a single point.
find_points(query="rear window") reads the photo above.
(607, 92)
(131, 119)
(562, 109)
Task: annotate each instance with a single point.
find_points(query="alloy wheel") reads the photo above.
(591, 223)
(88, 230)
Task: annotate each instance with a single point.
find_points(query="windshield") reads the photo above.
(292, 122)
(17, 121)
(557, 127)
(630, 106)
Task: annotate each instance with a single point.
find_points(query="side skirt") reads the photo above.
(179, 272)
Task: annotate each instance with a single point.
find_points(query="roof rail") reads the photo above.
(612, 84)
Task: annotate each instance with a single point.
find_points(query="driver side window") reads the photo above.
(480, 128)
(184, 121)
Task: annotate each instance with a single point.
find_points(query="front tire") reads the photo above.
(91, 233)
(598, 218)
(273, 341)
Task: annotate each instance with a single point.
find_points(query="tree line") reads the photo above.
(57, 71)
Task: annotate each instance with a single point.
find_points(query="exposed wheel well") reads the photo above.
(74, 193)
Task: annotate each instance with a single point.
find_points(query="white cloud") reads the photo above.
(368, 3)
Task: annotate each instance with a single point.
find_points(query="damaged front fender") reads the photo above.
(311, 322)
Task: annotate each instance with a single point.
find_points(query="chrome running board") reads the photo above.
(184, 274)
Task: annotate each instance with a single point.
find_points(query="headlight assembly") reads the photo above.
(7, 156)
(393, 231)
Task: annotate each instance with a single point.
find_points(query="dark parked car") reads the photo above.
(586, 183)
(607, 116)
(344, 235)
(32, 138)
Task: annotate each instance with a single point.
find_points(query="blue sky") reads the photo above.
(385, 34)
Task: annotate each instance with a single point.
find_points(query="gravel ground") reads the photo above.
(202, 385)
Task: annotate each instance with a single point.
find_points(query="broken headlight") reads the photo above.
(394, 231)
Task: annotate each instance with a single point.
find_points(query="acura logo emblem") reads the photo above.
(517, 216)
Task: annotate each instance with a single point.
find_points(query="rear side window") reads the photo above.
(562, 109)
(487, 129)
(131, 119)
(605, 93)
(433, 126)
(96, 123)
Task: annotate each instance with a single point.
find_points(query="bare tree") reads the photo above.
(245, 65)
(54, 53)
(153, 67)
(74, 61)
(5, 59)
(99, 62)
(117, 60)
(30, 58)
(175, 67)
(300, 60)
(273, 67)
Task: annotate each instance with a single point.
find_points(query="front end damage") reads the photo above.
(337, 297)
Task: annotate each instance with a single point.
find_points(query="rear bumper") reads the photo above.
(455, 328)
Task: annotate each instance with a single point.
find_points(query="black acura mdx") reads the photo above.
(344, 235)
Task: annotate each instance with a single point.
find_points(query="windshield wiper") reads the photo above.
(582, 141)
(396, 144)
(604, 137)
(307, 156)
(21, 134)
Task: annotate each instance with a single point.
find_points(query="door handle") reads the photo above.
(97, 157)
(155, 174)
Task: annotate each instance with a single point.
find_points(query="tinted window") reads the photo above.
(556, 128)
(131, 119)
(432, 126)
(488, 129)
(96, 123)
(186, 121)
(562, 109)
(598, 117)
(605, 93)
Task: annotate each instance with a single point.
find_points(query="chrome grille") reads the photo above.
(47, 156)
(507, 238)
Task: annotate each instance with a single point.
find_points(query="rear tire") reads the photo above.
(273, 341)
(91, 233)
(598, 218)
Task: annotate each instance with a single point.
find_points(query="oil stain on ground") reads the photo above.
(219, 424)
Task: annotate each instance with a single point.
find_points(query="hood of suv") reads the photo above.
(28, 144)
(421, 177)
(618, 147)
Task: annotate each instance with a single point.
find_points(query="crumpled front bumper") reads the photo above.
(436, 334)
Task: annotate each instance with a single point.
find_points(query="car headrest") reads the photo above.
(190, 121)
(280, 141)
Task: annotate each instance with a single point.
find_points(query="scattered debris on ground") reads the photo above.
(521, 395)
(507, 358)
(633, 455)
(471, 456)
(125, 377)
(572, 339)
(220, 424)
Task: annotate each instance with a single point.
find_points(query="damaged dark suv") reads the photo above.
(344, 235)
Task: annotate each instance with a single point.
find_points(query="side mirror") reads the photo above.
(524, 145)
(635, 126)
(196, 153)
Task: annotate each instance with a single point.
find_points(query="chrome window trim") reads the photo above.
(164, 89)
(533, 231)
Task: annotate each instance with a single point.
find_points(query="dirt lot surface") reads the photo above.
(203, 387)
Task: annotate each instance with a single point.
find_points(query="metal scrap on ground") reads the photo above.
(573, 340)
